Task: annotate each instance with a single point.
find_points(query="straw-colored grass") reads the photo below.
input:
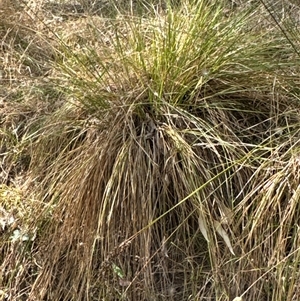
(149, 152)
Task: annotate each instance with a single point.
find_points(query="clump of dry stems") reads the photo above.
(148, 154)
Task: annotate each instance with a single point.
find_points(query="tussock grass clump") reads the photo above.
(168, 170)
